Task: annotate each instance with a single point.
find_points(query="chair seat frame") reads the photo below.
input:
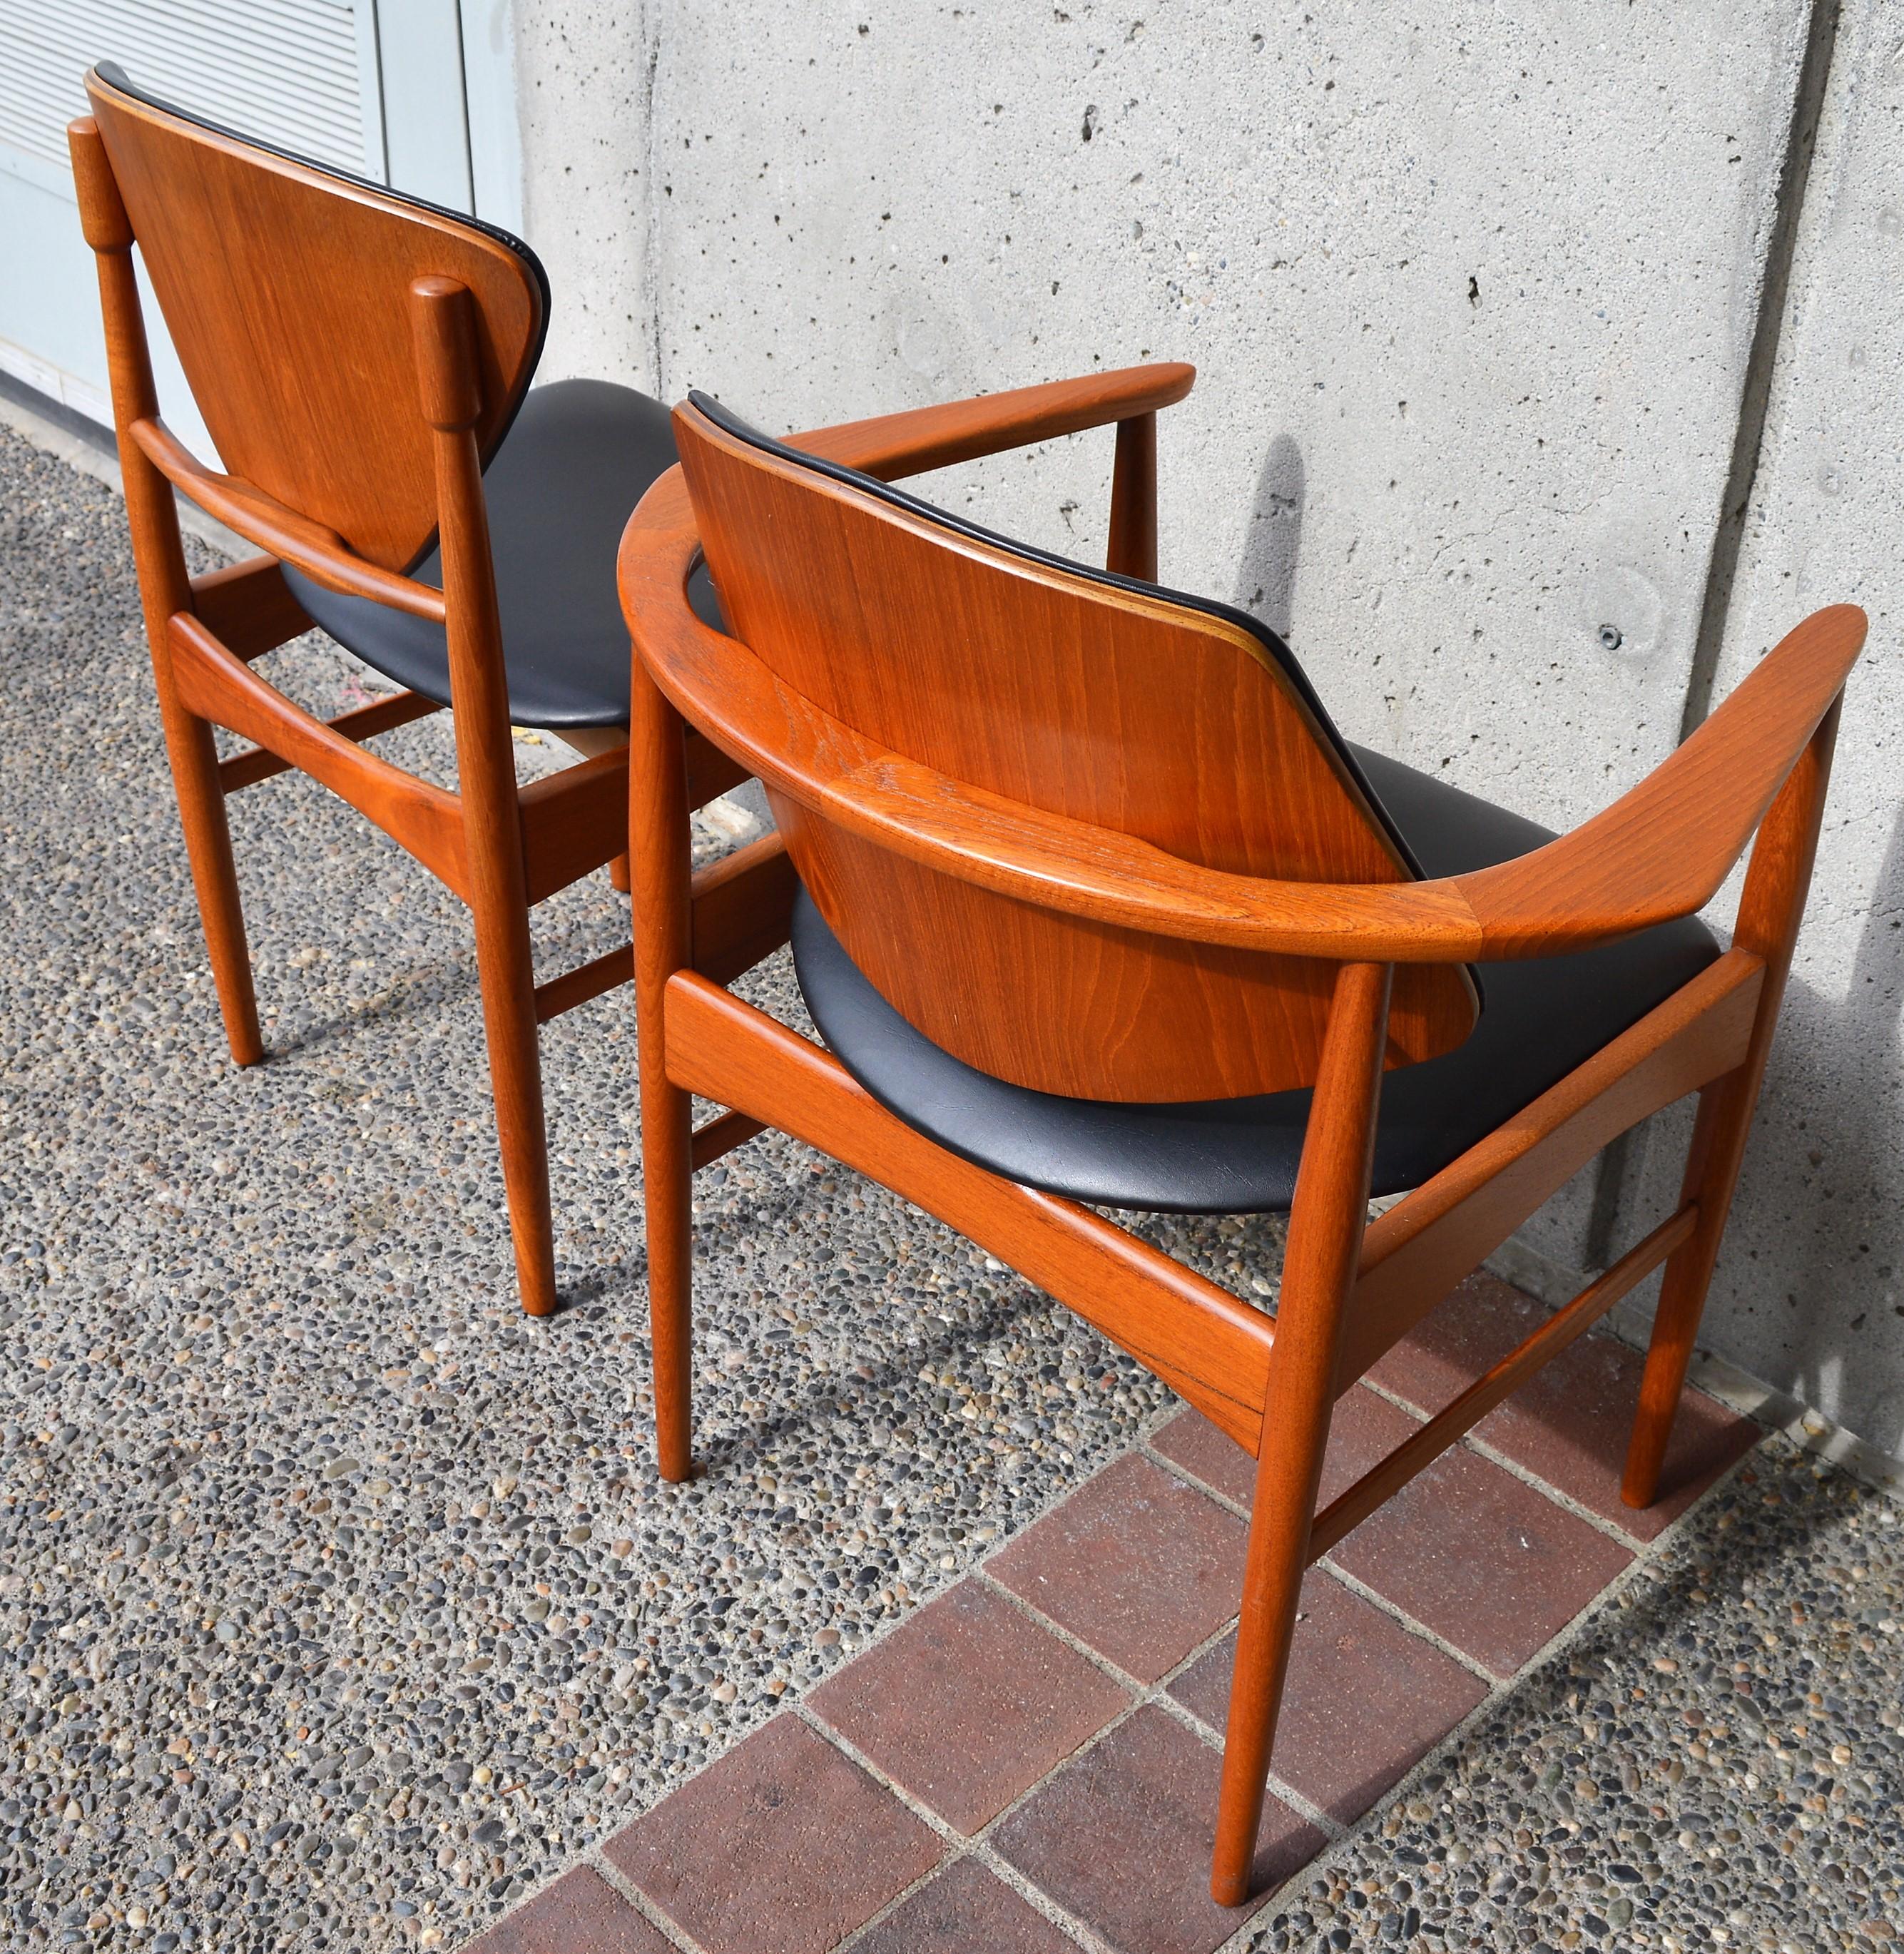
(1351, 1287)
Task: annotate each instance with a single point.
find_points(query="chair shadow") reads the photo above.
(584, 1294)
(1272, 543)
(423, 992)
(1654, 1616)
(1831, 1067)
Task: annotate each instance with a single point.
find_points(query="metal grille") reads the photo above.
(287, 71)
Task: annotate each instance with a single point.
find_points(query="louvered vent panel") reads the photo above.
(284, 70)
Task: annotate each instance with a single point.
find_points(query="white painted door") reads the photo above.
(418, 93)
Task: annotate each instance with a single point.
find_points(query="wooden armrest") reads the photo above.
(914, 443)
(890, 446)
(1664, 850)
(320, 553)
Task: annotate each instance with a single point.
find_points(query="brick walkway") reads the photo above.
(1028, 1764)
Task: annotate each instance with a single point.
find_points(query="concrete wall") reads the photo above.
(1474, 300)
(1811, 1292)
(584, 74)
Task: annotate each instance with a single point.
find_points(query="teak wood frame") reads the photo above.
(1351, 1288)
(500, 847)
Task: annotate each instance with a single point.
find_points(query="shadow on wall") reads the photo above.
(1816, 1241)
(1266, 572)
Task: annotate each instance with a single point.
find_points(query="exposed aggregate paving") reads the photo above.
(1714, 1760)
(339, 1603)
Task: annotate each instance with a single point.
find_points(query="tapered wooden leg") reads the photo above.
(214, 876)
(1327, 1220)
(503, 964)
(618, 874)
(1295, 1434)
(165, 589)
(666, 1174)
(1712, 1168)
(449, 387)
(1770, 912)
(659, 857)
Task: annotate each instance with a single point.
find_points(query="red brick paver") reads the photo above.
(965, 1910)
(783, 1846)
(1365, 1426)
(1121, 1838)
(1481, 1558)
(1569, 1423)
(580, 1914)
(1365, 1701)
(1135, 1564)
(969, 1704)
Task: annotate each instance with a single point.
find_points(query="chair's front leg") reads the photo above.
(659, 863)
(1327, 1219)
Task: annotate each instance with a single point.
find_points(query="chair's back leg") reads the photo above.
(1326, 1221)
(166, 589)
(448, 376)
(1769, 914)
(659, 862)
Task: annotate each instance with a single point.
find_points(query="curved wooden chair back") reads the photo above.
(286, 289)
(1086, 695)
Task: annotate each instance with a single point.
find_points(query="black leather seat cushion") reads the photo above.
(1539, 1020)
(580, 454)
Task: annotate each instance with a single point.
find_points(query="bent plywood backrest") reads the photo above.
(1086, 696)
(285, 287)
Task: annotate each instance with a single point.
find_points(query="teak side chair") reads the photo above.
(360, 357)
(1095, 905)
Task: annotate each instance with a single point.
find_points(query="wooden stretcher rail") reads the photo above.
(1416, 1252)
(248, 607)
(1347, 1510)
(740, 907)
(1201, 1341)
(572, 821)
(587, 980)
(743, 908)
(426, 820)
(707, 1144)
(254, 764)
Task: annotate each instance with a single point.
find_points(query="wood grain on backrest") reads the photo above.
(285, 288)
(1085, 695)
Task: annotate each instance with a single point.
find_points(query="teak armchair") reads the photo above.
(1095, 906)
(359, 358)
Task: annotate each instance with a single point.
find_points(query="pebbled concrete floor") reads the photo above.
(339, 1605)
